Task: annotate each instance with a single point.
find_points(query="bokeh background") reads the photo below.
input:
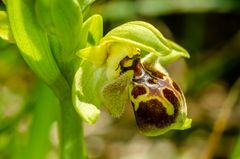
(208, 29)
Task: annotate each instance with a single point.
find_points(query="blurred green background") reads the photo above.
(208, 29)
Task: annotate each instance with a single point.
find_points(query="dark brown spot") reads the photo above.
(138, 90)
(171, 98)
(176, 87)
(137, 68)
(152, 114)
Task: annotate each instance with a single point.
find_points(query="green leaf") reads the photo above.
(32, 41)
(5, 31)
(62, 20)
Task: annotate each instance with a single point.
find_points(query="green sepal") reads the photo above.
(87, 84)
(177, 52)
(115, 94)
(135, 34)
(146, 37)
(5, 30)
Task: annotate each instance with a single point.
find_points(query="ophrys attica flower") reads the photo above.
(126, 67)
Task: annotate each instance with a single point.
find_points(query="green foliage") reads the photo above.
(33, 43)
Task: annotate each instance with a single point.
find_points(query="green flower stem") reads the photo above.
(71, 132)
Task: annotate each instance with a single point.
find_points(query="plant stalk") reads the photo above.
(71, 132)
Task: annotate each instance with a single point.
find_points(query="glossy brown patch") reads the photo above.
(137, 67)
(152, 114)
(138, 90)
(171, 98)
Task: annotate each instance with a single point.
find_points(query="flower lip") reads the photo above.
(158, 103)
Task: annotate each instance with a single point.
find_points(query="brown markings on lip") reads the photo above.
(176, 86)
(170, 96)
(138, 90)
(136, 64)
(152, 114)
(137, 68)
(154, 72)
(158, 74)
